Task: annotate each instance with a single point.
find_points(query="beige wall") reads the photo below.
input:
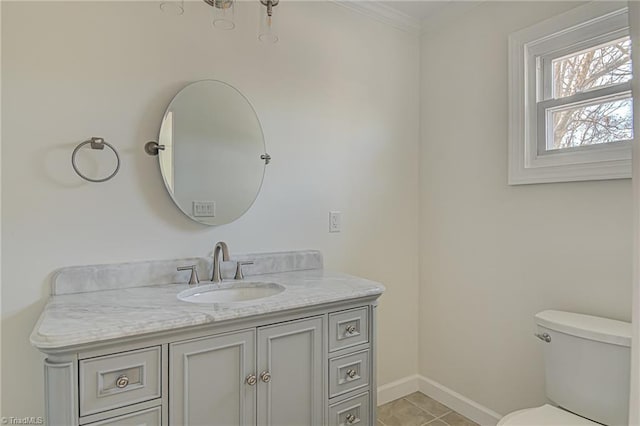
(493, 255)
(336, 97)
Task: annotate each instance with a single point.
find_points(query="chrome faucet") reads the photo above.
(217, 277)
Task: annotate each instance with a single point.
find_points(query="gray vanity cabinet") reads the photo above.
(222, 379)
(291, 353)
(208, 380)
(313, 367)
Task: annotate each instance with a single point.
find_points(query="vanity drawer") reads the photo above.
(353, 411)
(348, 328)
(151, 417)
(117, 380)
(348, 373)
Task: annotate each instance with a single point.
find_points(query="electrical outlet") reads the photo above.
(335, 221)
(204, 209)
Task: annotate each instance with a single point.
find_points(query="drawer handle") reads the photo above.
(351, 418)
(265, 376)
(351, 329)
(251, 379)
(122, 381)
(351, 373)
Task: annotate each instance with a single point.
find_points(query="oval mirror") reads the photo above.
(214, 155)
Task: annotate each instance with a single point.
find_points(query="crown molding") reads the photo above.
(383, 13)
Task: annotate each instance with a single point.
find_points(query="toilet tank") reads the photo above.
(587, 364)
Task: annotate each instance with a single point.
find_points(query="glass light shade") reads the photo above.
(174, 7)
(223, 14)
(268, 32)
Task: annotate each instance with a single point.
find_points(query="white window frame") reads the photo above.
(530, 54)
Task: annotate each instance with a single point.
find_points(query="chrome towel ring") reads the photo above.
(96, 143)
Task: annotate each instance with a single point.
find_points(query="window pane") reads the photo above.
(597, 67)
(610, 121)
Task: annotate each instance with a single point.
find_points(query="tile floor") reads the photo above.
(418, 410)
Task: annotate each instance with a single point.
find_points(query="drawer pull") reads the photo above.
(351, 373)
(251, 379)
(122, 381)
(265, 376)
(351, 418)
(351, 329)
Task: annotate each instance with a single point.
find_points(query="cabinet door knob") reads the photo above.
(265, 376)
(351, 373)
(122, 381)
(351, 329)
(544, 337)
(351, 418)
(251, 379)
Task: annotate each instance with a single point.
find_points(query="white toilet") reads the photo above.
(586, 372)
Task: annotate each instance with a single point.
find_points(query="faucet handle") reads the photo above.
(239, 266)
(193, 279)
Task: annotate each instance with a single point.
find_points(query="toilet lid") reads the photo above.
(547, 415)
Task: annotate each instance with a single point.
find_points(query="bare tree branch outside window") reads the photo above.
(604, 122)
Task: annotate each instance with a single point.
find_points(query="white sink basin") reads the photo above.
(231, 293)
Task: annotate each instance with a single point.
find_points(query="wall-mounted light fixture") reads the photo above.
(267, 33)
(223, 13)
(174, 7)
(224, 16)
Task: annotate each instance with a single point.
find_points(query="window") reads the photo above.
(571, 110)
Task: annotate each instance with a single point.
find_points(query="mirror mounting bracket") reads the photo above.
(152, 147)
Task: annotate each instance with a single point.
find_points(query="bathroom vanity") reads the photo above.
(122, 348)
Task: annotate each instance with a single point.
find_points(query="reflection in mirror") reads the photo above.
(213, 144)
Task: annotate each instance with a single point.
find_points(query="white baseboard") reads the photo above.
(459, 403)
(398, 389)
(452, 399)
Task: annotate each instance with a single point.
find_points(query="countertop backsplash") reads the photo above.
(88, 278)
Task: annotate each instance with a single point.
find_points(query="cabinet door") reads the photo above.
(292, 354)
(207, 381)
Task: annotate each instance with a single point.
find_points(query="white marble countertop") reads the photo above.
(76, 319)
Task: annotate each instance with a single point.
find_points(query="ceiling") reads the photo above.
(418, 9)
(415, 17)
